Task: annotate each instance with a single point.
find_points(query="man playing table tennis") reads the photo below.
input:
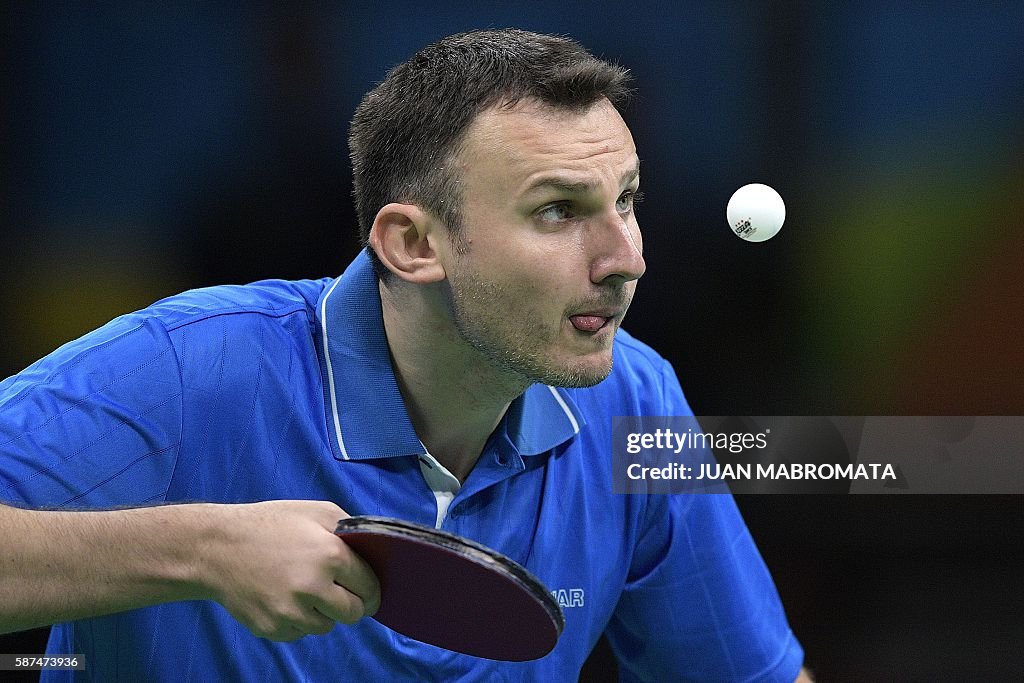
(462, 373)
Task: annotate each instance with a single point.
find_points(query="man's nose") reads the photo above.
(618, 250)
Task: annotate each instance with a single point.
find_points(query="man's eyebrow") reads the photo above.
(630, 175)
(580, 187)
(561, 184)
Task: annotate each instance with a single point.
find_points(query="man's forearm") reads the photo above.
(276, 566)
(57, 566)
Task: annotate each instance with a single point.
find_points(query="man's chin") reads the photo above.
(577, 377)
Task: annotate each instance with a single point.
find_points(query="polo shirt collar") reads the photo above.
(365, 411)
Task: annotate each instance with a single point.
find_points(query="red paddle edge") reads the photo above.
(468, 549)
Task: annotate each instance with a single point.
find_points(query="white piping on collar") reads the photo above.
(565, 408)
(330, 370)
(334, 397)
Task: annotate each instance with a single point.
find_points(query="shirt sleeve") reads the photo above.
(699, 603)
(96, 423)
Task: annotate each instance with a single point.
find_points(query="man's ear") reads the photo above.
(405, 238)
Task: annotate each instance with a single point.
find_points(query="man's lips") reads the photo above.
(588, 323)
(594, 319)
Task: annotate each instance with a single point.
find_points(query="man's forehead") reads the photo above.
(524, 137)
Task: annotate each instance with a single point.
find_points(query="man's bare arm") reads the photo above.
(804, 677)
(276, 566)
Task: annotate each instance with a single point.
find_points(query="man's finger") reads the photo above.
(314, 622)
(354, 574)
(341, 605)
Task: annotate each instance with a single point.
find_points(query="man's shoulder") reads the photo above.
(239, 330)
(218, 315)
(266, 298)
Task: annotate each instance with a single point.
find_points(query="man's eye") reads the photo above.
(628, 200)
(556, 213)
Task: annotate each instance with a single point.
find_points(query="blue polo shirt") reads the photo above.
(284, 390)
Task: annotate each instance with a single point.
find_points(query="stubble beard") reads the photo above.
(512, 337)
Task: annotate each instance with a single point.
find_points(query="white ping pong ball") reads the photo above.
(755, 212)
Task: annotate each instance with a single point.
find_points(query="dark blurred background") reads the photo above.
(150, 149)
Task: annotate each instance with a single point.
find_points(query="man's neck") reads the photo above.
(454, 396)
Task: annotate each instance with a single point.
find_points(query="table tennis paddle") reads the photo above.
(449, 591)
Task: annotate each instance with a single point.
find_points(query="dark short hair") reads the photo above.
(406, 131)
